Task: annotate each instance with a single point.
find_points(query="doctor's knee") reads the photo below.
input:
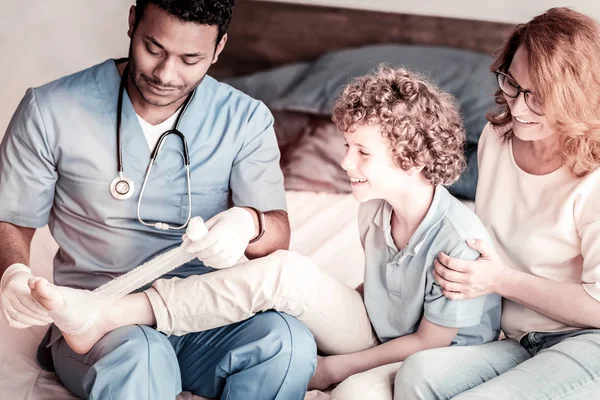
(297, 351)
(134, 357)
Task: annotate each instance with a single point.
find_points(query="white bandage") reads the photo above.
(82, 306)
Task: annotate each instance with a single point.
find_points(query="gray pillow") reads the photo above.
(466, 186)
(464, 74)
(270, 85)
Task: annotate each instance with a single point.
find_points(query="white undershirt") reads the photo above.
(153, 132)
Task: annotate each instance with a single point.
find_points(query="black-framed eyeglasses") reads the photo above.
(512, 89)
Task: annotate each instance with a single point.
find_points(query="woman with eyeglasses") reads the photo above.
(539, 197)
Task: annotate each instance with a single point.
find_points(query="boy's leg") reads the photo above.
(446, 372)
(269, 356)
(567, 370)
(133, 362)
(375, 384)
(283, 281)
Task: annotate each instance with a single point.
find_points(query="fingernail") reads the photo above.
(471, 241)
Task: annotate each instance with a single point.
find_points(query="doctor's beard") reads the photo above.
(140, 81)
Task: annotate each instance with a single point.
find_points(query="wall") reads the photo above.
(43, 40)
(513, 11)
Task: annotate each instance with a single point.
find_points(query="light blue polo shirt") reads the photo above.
(59, 156)
(399, 286)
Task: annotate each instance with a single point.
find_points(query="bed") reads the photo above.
(298, 43)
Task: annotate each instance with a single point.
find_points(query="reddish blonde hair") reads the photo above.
(564, 65)
(422, 124)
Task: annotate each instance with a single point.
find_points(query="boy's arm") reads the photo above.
(428, 336)
(438, 311)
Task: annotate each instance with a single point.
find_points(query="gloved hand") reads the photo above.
(225, 243)
(19, 309)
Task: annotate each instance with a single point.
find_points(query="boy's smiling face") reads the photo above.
(370, 166)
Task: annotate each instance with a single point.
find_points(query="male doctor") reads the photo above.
(58, 164)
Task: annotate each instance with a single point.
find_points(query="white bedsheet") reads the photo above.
(323, 225)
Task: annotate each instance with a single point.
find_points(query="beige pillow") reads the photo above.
(313, 162)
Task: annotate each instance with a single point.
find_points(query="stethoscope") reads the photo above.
(122, 188)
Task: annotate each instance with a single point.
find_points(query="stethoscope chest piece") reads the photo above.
(122, 188)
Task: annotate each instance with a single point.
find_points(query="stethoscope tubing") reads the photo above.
(153, 157)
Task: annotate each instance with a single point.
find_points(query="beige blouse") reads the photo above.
(546, 225)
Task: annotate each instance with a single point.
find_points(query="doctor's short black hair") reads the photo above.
(204, 12)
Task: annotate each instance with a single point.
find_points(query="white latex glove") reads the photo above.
(195, 231)
(19, 309)
(225, 243)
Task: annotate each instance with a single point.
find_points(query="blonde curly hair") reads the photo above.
(422, 124)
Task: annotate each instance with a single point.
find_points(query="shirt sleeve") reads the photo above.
(442, 311)
(587, 209)
(27, 167)
(256, 177)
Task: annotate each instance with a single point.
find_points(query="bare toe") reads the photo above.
(46, 294)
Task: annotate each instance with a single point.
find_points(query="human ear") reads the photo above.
(220, 48)
(131, 21)
(414, 170)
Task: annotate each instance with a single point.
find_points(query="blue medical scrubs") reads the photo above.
(57, 160)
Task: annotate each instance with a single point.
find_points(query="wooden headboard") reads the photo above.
(264, 35)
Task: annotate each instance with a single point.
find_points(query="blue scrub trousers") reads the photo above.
(269, 356)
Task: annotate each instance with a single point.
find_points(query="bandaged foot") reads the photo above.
(82, 316)
(74, 311)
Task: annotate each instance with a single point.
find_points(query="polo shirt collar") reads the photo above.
(437, 211)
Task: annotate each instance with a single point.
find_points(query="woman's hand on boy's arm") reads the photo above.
(566, 302)
(334, 369)
(465, 279)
